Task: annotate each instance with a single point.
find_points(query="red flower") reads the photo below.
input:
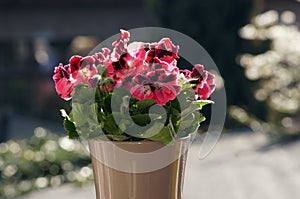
(63, 81)
(75, 62)
(159, 85)
(161, 64)
(142, 92)
(80, 70)
(205, 83)
(87, 71)
(164, 50)
(130, 63)
(102, 58)
(147, 70)
(120, 45)
(186, 73)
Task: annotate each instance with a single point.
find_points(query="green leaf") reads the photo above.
(69, 125)
(150, 132)
(186, 87)
(202, 103)
(164, 136)
(144, 119)
(84, 94)
(202, 118)
(101, 70)
(64, 113)
(141, 119)
(144, 104)
(187, 122)
(84, 114)
(110, 126)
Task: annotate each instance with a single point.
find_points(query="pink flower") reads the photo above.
(120, 45)
(137, 50)
(136, 58)
(205, 83)
(130, 63)
(75, 62)
(159, 85)
(79, 70)
(186, 73)
(142, 92)
(126, 66)
(147, 70)
(161, 64)
(63, 81)
(164, 50)
(102, 58)
(87, 71)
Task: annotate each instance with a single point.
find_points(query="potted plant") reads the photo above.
(137, 110)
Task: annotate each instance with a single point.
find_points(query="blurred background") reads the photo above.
(255, 44)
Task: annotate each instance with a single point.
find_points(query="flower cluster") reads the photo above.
(146, 70)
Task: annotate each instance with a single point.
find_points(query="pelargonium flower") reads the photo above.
(129, 63)
(161, 64)
(137, 50)
(186, 73)
(164, 50)
(147, 70)
(120, 45)
(87, 71)
(102, 58)
(159, 85)
(205, 83)
(75, 64)
(64, 83)
(79, 70)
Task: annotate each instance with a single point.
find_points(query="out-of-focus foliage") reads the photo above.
(275, 72)
(44, 160)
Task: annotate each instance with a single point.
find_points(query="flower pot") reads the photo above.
(139, 170)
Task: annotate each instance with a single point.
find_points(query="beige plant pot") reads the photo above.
(139, 170)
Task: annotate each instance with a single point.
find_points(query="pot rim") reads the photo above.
(145, 141)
